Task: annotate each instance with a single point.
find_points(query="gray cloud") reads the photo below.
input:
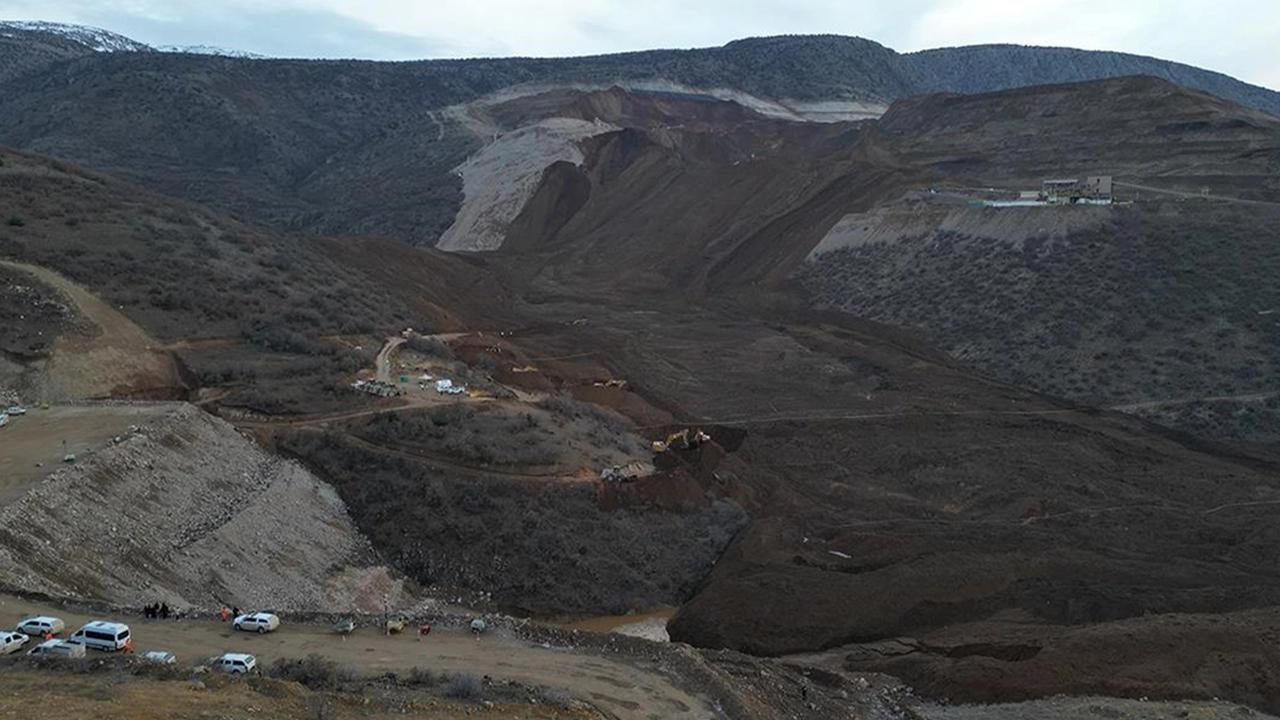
(284, 32)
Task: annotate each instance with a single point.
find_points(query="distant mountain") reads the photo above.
(359, 147)
(90, 38)
(31, 46)
(985, 68)
(209, 50)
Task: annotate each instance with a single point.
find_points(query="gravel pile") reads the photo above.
(188, 512)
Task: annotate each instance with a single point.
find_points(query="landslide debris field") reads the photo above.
(932, 452)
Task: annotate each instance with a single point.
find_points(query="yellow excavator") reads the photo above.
(686, 439)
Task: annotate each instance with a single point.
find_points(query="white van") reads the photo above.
(105, 636)
(58, 648)
(40, 625)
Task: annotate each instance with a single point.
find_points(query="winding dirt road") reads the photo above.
(621, 687)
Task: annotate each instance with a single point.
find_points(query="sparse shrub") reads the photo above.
(463, 686)
(16, 221)
(423, 676)
(314, 671)
(433, 347)
(556, 697)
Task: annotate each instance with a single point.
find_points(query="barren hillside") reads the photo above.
(184, 510)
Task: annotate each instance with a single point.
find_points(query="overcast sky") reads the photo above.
(1238, 37)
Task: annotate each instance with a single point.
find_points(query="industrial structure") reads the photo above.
(1092, 190)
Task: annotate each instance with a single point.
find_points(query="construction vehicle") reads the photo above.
(683, 439)
(625, 473)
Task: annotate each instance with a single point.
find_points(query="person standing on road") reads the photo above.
(164, 611)
(223, 613)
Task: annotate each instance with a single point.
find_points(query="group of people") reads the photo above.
(228, 613)
(159, 610)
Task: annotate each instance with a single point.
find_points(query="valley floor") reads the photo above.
(621, 687)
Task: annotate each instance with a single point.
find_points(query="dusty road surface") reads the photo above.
(621, 687)
(383, 361)
(36, 439)
(120, 359)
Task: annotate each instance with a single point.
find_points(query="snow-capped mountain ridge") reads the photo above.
(99, 40)
(210, 50)
(95, 39)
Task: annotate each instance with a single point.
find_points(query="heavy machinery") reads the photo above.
(625, 473)
(683, 439)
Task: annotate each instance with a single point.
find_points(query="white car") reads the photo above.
(58, 648)
(16, 410)
(12, 642)
(261, 622)
(41, 625)
(236, 663)
(160, 657)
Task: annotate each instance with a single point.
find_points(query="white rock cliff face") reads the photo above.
(188, 512)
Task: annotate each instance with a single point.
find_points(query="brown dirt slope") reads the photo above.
(270, 300)
(111, 357)
(1174, 657)
(891, 490)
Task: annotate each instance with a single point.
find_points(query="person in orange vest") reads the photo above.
(224, 613)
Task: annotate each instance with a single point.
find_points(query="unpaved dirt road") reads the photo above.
(623, 688)
(119, 360)
(383, 362)
(1185, 194)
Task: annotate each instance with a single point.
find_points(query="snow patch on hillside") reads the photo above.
(209, 50)
(95, 39)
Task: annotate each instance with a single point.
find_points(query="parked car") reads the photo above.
(105, 636)
(236, 663)
(16, 410)
(12, 642)
(41, 625)
(58, 648)
(160, 657)
(262, 622)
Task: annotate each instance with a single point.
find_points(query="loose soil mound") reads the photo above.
(1233, 656)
